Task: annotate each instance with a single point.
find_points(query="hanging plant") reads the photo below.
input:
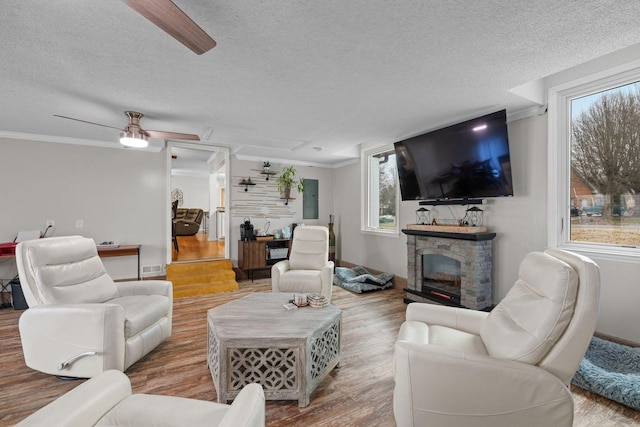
(287, 180)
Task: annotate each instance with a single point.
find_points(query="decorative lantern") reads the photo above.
(422, 216)
(473, 217)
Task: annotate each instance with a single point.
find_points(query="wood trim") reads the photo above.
(616, 340)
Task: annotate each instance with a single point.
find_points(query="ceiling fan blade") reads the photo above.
(170, 18)
(85, 121)
(171, 135)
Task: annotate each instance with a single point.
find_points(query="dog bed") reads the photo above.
(359, 280)
(611, 370)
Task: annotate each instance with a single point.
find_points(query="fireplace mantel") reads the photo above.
(447, 235)
(472, 252)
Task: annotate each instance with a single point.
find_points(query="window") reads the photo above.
(380, 209)
(595, 132)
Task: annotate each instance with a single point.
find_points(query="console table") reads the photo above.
(257, 254)
(106, 252)
(103, 252)
(122, 250)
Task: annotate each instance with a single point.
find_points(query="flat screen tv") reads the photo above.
(468, 160)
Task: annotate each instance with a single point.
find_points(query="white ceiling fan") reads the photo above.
(132, 135)
(170, 18)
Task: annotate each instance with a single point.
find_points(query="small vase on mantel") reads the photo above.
(332, 240)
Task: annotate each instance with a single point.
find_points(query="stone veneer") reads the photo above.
(472, 251)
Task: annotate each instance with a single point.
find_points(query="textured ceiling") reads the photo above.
(288, 76)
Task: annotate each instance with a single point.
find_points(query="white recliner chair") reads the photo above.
(80, 322)
(107, 401)
(510, 367)
(308, 269)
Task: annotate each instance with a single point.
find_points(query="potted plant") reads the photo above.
(287, 180)
(266, 166)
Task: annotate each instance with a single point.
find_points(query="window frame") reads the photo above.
(559, 156)
(365, 203)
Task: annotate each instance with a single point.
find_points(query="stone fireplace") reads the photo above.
(450, 268)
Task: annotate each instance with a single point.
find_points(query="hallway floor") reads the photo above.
(198, 247)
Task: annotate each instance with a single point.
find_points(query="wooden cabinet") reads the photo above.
(260, 254)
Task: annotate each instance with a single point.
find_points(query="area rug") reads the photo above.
(611, 370)
(359, 280)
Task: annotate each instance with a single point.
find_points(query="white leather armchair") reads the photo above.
(308, 269)
(80, 322)
(510, 367)
(107, 401)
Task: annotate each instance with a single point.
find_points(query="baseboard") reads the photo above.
(263, 273)
(133, 279)
(398, 282)
(616, 340)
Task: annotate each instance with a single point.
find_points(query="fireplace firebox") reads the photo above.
(450, 268)
(441, 277)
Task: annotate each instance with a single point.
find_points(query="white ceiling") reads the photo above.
(288, 76)
(189, 162)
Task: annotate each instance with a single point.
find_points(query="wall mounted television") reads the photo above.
(468, 160)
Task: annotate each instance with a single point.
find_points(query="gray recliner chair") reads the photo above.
(80, 322)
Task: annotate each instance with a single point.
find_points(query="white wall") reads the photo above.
(383, 253)
(196, 193)
(519, 222)
(262, 201)
(216, 184)
(120, 195)
(195, 190)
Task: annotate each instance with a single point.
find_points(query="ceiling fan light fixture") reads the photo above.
(133, 139)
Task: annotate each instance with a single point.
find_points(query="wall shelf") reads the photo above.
(246, 185)
(286, 199)
(268, 174)
(263, 172)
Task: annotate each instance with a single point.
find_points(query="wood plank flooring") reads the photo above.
(198, 247)
(359, 393)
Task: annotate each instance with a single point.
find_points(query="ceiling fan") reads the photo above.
(132, 135)
(170, 18)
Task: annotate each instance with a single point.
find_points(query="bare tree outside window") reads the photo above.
(388, 190)
(383, 190)
(605, 166)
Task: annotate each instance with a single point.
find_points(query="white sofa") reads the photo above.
(107, 401)
(80, 322)
(511, 367)
(308, 269)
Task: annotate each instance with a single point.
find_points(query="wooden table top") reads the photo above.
(262, 315)
(121, 250)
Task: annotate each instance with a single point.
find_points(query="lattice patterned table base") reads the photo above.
(288, 367)
(273, 368)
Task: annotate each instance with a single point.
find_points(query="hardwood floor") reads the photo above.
(198, 247)
(359, 393)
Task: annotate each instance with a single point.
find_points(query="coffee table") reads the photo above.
(256, 339)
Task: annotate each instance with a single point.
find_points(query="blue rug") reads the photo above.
(358, 279)
(611, 370)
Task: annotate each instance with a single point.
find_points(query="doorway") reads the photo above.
(197, 181)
